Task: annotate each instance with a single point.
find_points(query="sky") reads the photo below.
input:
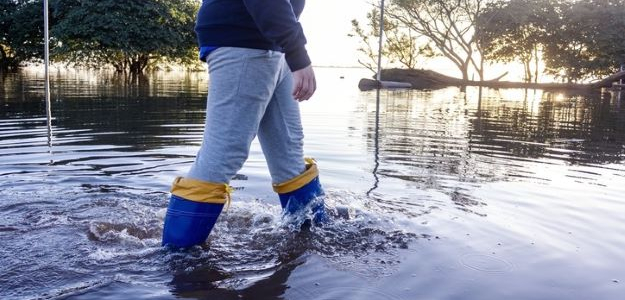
(326, 25)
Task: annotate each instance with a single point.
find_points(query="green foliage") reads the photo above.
(576, 39)
(21, 32)
(128, 35)
(515, 31)
(588, 39)
(403, 47)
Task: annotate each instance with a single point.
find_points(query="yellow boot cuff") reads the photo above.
(201, 191)
(288, 186)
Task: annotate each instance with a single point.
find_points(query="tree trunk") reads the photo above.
(481, 66)
(119, 67)
(536, 63)
(610, 80)
(7, 63)
(422, 79)
(138, 64)
(528, 71)
(145, 59)
(134, 66)
(465, 72)
(3, 63)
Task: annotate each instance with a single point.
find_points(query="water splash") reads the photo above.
(112, 230)
(252, 241)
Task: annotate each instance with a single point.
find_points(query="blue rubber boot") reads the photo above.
(193, 210)
(303, 194)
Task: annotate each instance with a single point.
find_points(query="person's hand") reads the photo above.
(304, 84)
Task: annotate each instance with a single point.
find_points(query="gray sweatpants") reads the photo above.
(250, 94)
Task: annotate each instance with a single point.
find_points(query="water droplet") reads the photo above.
(486, 263)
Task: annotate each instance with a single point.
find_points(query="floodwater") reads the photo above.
(492, 194)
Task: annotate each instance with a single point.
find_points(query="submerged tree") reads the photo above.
(21, 32)
(129, 35)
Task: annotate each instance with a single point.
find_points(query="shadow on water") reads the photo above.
(207, 281)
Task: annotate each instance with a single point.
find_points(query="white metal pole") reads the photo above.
(381, 42)
(46, 36)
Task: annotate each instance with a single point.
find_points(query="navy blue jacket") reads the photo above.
(257, 24)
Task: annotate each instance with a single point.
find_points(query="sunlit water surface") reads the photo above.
(489, 194)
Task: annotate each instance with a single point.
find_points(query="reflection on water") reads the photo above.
(451, 194)
(376, 143)
(581, 130)
(427, 139)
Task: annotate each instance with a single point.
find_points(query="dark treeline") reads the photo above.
(127, 35)
(572, 40)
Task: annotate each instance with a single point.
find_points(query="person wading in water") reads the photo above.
(259, 70)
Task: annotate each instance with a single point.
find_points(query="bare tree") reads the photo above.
(450, 25)
(401, 42)
(368, 36)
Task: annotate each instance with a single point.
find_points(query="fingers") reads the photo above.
(297, 87)
(311, 86)
(304, 84)
(314, 80)
(305, 93)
